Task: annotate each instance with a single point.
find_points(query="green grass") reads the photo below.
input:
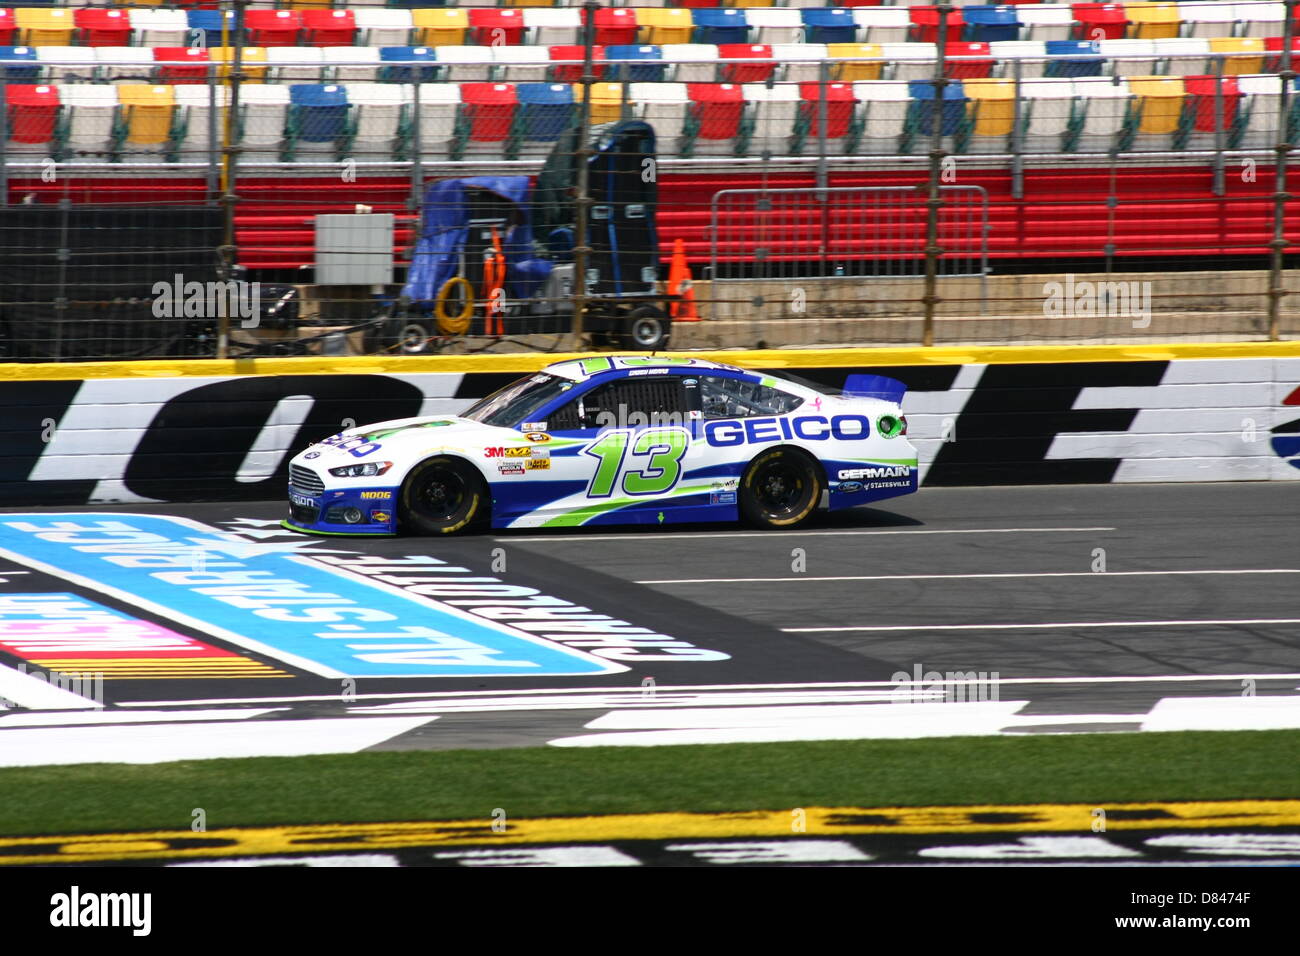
(460, 784)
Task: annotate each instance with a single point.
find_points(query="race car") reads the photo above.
(614, 440)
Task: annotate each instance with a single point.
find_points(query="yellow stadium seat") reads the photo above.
(147, 111)
(252, 62)
(1153, 21)
(1161, 98)
(606, 102)
(852, 72)
(45, 26)
(527, 3)
(440, 26)
(1240, 65)
(995, 101)
(660, 25)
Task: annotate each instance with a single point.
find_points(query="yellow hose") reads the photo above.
(454, 324)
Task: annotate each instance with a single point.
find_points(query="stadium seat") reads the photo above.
(993, 109)
(692, 62)
(954, 125)
(567, 63)
(720, 26)
(19, 63)
(1183, 56)
(318, 121)
(1209, 109)
(1031, 55)
(663, 106)
(802, 60)
(990, 24)
(1100, 21)
(675, 25)
(758, 68)
(252, 62)
(40, 27)
(646, 67)
(273, 28)
(1046, 22)
(553, 27)
(842, 130)
(1234, 49)
(329, 27)
(194, 105)
(97, 26)
(439, 27)
(89, 118)
(714, 120)
(486, 118)
(859, 65)
(774, 111)
(1153, 21)
(965, 68)
(295, 64)
(1103, 113)
(65, 64)
(263, 111)
(465, 64)
(351, 64)
(133, 64)
(1073, 58)
(144, 129)
(546, 111)
(31, 117)
(1209, 20)
(377, 129)
(607, 101)
(885, 106)
(925, 25)
(1273, 54)
(398, 67)
(181, 64)
(502, 27)
(384, 28)
(439, 107)
(160, 27)
(520, 64)
(770, 25)
(1129, 57)
(1046, 115)
(830, 25)
(1261, 19)
(1260, 103)
(205, 28)
(910, 61)
(882, 24)
(616, 26)
(8, 29)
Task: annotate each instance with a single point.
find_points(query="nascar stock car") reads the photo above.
(614, 440)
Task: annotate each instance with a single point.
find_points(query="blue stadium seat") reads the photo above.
(829, 25)
(1073, 58)
(392, 56)
(639, 73)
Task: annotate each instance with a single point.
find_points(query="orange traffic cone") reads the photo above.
(679, 283)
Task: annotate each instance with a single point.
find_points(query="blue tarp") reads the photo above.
(444, 229)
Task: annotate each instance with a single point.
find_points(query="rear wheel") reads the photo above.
(647, 329)
(780, 489)
(442, 496)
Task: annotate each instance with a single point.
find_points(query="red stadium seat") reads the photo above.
(7, 26)
(616, 26)
(572, 72)
(1200, 89)
(488, 27)
(182, 74)
(101, 27)
(33, 112)
(840, 102)
(969, 69)
(1100, 21)
(925, 24)
(717, 108)
(756, 72)
(329, 27)
(1273, 49)
(273, 27)
(490, 109)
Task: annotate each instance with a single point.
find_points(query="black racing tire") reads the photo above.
(646, 329)
(442, 495)
(781, 488)
(410, 335)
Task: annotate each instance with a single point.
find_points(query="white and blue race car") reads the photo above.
(614, 440)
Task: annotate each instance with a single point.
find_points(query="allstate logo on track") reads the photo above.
(1286, 437)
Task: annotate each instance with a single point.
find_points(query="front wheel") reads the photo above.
(780, 489)
(442, 495)
(647, 329)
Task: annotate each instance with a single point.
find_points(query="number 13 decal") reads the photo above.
(653, 463)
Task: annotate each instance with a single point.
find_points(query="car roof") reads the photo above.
(581, 370)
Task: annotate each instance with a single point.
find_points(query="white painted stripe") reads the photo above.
(1047, 626)
(28, 691)
(930, 577)
(677, 536)
(63, 719)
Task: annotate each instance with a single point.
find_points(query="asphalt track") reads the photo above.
(1079, 600)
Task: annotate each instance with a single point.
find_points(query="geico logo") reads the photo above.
(808, 427)
(507, 452)
(896, 471)
(376, 494)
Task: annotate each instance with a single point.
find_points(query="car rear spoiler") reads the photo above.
(874, 386)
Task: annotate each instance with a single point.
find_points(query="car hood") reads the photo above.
(404, 436)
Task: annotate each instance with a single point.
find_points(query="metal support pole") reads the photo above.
(229, 154)
(1220, 186)
(4, 138)
(823, 113)
(1276, 292)
(935, 199)
(582, 201)
(417, 137)
(214, 163)
(1017, 137)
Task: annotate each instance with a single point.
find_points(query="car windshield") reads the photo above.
(517, 402)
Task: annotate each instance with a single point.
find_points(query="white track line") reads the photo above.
(692, 688)
(25, 690)
(930, 577)
(677, 536)
(1035, 627)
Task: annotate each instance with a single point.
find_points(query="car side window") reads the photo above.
(736, 398)
(626, 403)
